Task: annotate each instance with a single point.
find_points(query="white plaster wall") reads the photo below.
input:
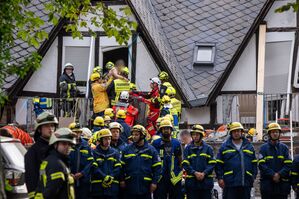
(219, 119)
(285, 19)
(199, 115)
(44, 79)
(243, 76)
(145, 67)
(21, 111)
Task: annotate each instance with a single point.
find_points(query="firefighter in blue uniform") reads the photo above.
(199, 164)
(275, 166)
(106, 168)
(55, 180)
(295, 175)
(98, 124)
(81, 160)
(171, 155)
(142, 166)
(236, 167)
(116, 142)
(45, 125)
(120, 118)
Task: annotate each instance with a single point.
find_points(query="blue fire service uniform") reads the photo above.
(105, 173)
(142, 166)
(199, 159)
(274, 159)
(126, 131)
(238, 169)
(171, 156)
(295, 175)
(81, 160)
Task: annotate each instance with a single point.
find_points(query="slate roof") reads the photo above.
(21, 49)
(182, 23)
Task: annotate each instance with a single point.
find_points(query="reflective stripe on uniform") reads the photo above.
(146, 156)
(157, 164)
(192, 155)
(147, 178)
(84, 151)
(130, 155)
(186, 161)
(294, 173)
(57, 175)
(228, 172)
(212, 162)
(39, 196)
(117, 165)
(249, 173)
(205, 155)
(112, 159)
(96, 181)
(228, 151)
(31, 194)
(254, 161)
(219, 161)
(280, 157)
(288, 161)
(247, 151)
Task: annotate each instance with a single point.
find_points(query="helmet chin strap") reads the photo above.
(140, 139)
(274, 139)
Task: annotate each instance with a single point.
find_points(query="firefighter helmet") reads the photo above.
(159, 121)
(155, 80)
(133, 86)
(252, 132)
(97, 69)
(139, 128)
(121, 114)
(124, 95)
(125, 70)
(45, 118)
(163, 75)
(166, 99)
(168, 117)
(197, 128)
(273, 126)
(63, 134)
(165, 123)
(107, 118)
(115, 125)
(98, 121)
(75, 127)
(234, 126)
(109, 112)
(86, 133)
(170, 91)
(103, 133)
(69, 65)
(109, 65)
(95, 76)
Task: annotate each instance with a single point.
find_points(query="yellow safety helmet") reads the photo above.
(95, 76)
(159, 121)
(99, 121)
(197, 128)
(133, 86)
(97, 69)
(252, 132)
(63, 134)
(107, 118)
(273, 126)
(115, 125)
(103, 133)
(169, 117)
(139, 128)
(165, 123)
(234, 126)
(125, 70)
(166, 99)
(75, 127)
(163, 75)
(109, 112)
(109, 65)
(170, 91)
(121, 114)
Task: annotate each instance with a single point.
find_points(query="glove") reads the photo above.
(108, 180)
(105, 185)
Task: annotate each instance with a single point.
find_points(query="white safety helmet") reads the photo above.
(155, 80)
(124, 95)
(69, 65)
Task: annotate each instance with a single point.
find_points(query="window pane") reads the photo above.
(78, 56)
(204, 54)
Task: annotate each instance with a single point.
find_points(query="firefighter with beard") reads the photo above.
(275, 166)
(199, 164)
(55, 180)
(171, 155)
(46, 123)
(106, 168)
(236, 167)
(142, 166)
(80, 163)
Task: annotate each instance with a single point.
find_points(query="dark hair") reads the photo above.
(4, 132)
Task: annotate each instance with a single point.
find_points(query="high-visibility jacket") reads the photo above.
(177, 104)
(100, 97)
(142, 166)
(55, 180)
(199, 159)
(19, 134)
(43, 102)
(164, 87)
(33, 158)
(80, 161)
(170, 161)
(274, 158)
(236, 167)
(295, 173)
(107, 163)
(119, 86)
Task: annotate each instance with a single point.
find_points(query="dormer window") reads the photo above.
(204, 54)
